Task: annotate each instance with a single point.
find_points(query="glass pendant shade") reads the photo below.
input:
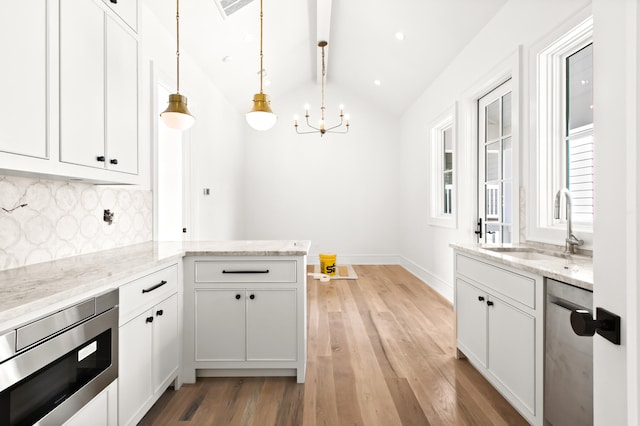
(177, 115)
(261, 117)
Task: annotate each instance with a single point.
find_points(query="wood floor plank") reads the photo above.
(381, 351)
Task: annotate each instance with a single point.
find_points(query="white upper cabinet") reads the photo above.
(82, 69)
(72, 90)
(98, 89)
(121, 99)
(24, 109)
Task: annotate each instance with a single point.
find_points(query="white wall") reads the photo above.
(216, 139)
(340, 191)
(493, 51)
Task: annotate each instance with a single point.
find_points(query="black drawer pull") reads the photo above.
(266, 271)
(114, 1)
(253, 296)
(159, 313)
(114, 161)
(149, 319)
(100, 158)
(153, 287)
(237, 297)
(481, 298)
(489, 303)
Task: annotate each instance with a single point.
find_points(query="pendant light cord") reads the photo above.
(178, 46)
(323, 79)
(261, 66)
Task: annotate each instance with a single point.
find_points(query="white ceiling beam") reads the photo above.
(323, 31)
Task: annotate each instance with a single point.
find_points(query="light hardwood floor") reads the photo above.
(380, 352)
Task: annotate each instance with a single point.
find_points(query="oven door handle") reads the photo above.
(153, 287)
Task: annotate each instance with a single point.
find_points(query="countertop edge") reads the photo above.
(577, 279)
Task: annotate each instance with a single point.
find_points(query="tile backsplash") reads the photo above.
(63, 219)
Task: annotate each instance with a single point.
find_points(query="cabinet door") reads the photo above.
(134, 377)
(165, 341)
(471, 320)
(220, 325)
(271, 325)
(23, 111)
(512, 350)
(121, 99)
(82, 68)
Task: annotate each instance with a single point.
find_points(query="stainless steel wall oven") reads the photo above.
(52, 366)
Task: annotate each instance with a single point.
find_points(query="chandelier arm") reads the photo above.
(339, 132)
(306, 133)
(309, 124)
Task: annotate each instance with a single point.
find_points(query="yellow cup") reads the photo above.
(328, 263)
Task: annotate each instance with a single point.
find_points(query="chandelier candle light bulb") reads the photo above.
(322, 129)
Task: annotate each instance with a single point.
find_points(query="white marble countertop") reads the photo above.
(42, 287)
(577, 270)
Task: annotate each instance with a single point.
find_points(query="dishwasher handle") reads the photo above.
(570, 306)
(606, 324)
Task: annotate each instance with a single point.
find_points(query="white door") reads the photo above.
(495, 166)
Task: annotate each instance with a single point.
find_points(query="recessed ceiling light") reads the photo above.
(248, 37)
(227, 59)
(377, 82)
(399, 36)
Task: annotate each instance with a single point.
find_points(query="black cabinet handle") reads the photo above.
(159, 313)
(481, 298)
(606, 324)
(237, 297)
(489, 303)
(114, 1)
(266, 271)
(100, 158)
(253, 296)
(149, 319)
(114, 161)
(153, 287)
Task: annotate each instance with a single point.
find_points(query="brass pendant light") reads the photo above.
(177, 115)
(261, 117)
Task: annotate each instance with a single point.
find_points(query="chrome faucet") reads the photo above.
(571, 241)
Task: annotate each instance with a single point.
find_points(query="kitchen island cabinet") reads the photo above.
(245, 315)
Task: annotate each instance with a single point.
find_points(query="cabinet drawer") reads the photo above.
(518, 287)
(142, 293)
(245, 271)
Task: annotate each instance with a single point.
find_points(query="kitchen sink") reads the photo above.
(528, 253)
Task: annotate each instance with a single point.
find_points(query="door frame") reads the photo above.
(157, 77)
(467, 131)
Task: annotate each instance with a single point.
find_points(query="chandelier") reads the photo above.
(322, 126)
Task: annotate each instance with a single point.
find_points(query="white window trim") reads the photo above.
(546, 62)
(437, 217)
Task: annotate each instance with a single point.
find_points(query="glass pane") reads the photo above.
(580, 88)
(506, 203)
(492, 202)
(493, 161)
(580, 176)
(493, 120)
(506, 159)
(506, 234)
(506, 114)
(493, 233)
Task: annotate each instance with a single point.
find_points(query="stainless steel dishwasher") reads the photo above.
(568, 371)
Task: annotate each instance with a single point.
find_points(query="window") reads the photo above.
(562, 141)
(443, 171)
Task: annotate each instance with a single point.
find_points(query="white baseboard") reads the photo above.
(442, 287)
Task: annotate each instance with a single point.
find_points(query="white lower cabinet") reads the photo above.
(149, 342)
(245, 325)
(100, 411)
(502, 334)
(245, 316)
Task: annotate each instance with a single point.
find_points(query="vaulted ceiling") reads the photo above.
(362, 44)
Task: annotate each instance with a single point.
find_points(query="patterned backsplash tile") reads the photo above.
(63, 219)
